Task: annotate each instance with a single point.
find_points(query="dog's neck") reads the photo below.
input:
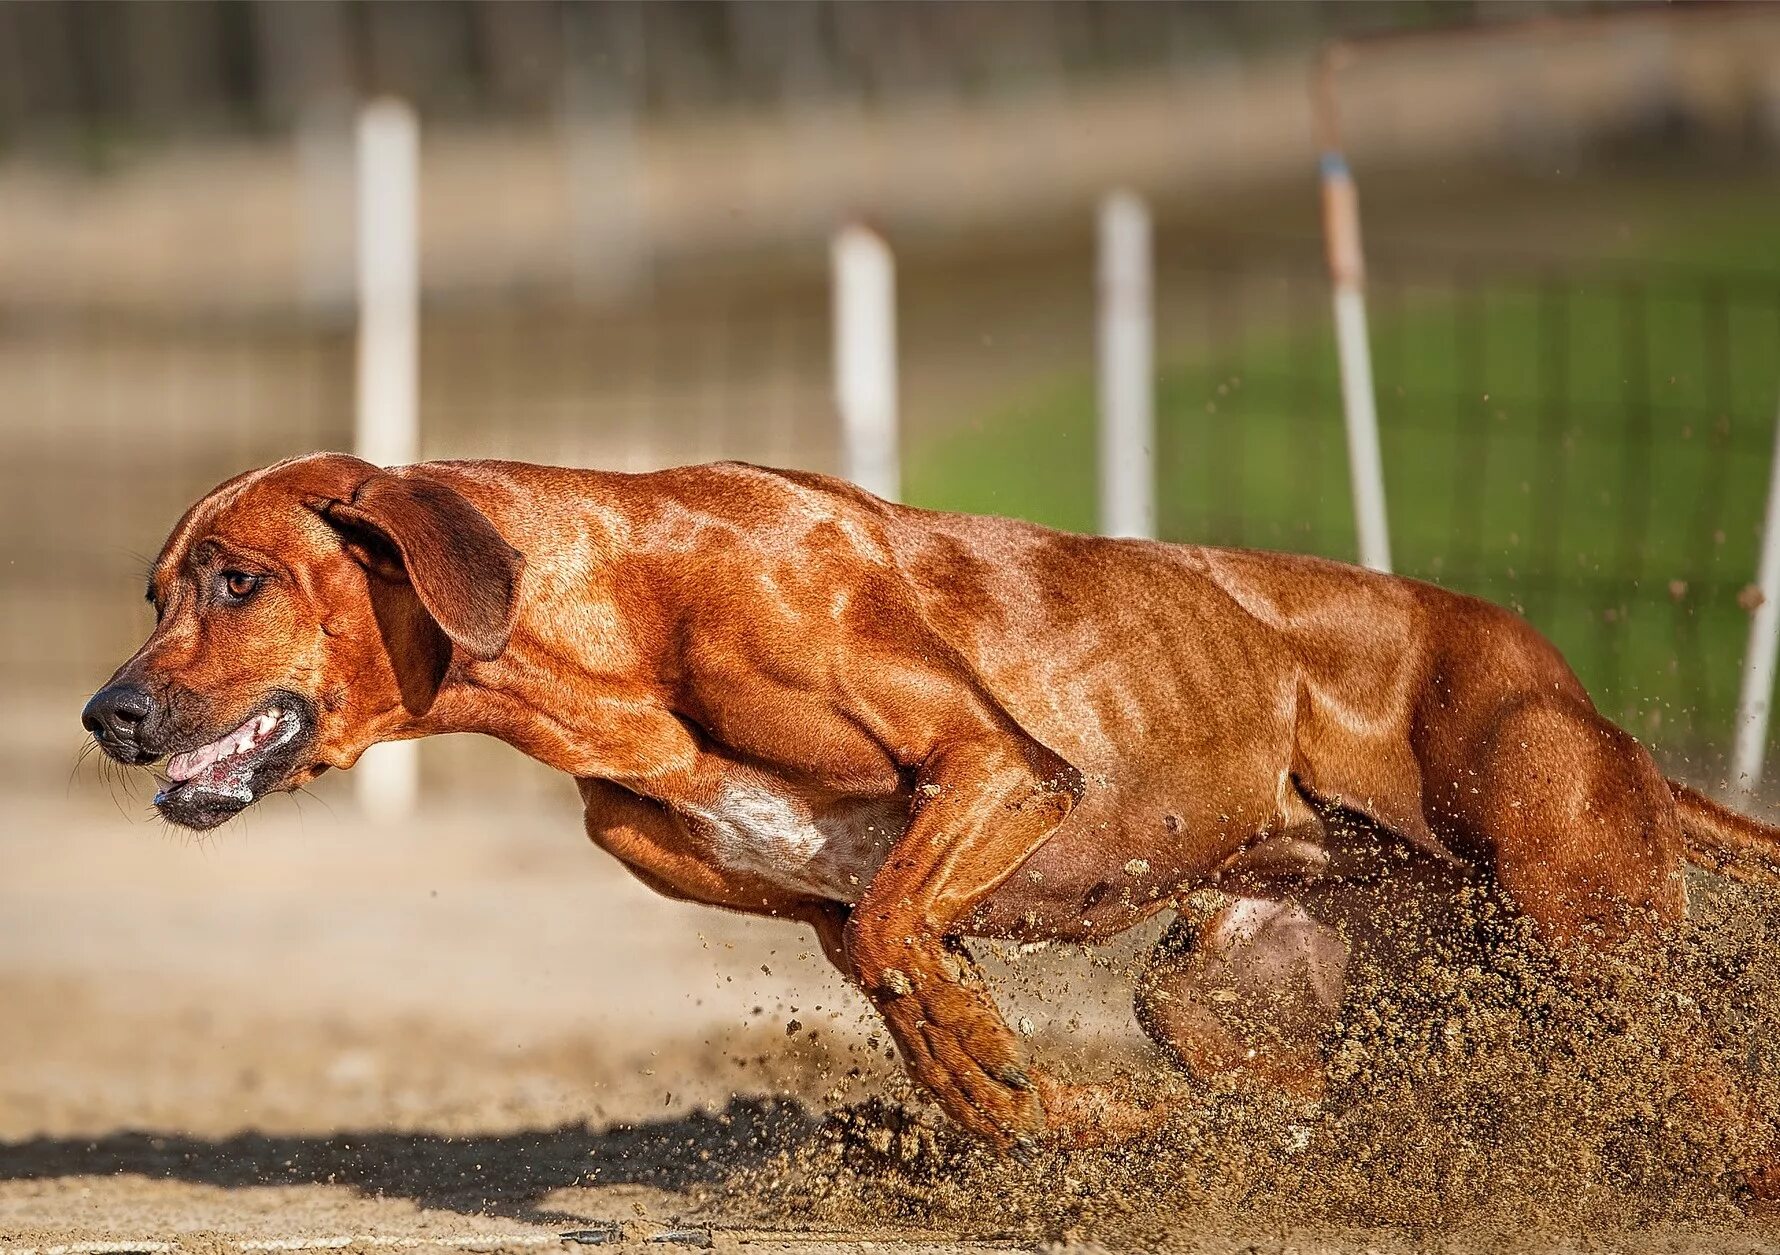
(592, 641)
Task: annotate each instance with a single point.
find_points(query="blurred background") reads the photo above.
(622, 235)
(625, 218)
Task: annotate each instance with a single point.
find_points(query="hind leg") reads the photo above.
(1247, 993)
(1582, 829)
(1587, 845)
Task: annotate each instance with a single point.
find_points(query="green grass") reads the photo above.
(1592, 456)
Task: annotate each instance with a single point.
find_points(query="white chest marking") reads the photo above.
(756, 829)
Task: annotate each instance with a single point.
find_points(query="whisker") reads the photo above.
(80, 757)
(295, 802)
(168, 828)
(108, 774)
(132, 778)
(145, 564)
(306, 791)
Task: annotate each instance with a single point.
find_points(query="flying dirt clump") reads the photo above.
(1479, 1091)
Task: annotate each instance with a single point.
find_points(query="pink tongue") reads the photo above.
(225, 774)
(190, 764)
(221, 763)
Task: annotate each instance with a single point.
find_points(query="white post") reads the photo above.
(1127, 365)
(1757, 694)
(865, 358)
(1347, 271)
(388, 419)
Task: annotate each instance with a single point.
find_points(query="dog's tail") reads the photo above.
(1722, 841)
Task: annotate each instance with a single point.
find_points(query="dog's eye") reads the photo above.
(238, 586)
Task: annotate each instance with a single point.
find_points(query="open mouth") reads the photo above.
(208, 784)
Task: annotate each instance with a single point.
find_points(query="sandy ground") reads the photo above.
(310, 1026)
(476, 1032)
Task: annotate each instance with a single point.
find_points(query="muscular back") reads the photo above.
(816, 634)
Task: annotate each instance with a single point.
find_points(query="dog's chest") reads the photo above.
(829, 851)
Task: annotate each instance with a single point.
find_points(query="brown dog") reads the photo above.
(781, 695)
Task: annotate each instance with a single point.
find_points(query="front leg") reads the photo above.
(981, 808)
(643, 836)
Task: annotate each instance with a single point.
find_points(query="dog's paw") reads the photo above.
(955, 1044)
(1080, 1116)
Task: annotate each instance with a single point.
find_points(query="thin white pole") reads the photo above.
(1756, 698)
(388, 430)
(388, 418)
(1127, 343)
(864, 278)
(1347, 271)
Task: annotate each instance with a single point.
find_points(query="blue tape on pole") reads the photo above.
(1334, 165)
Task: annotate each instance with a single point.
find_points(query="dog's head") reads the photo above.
(303, 612)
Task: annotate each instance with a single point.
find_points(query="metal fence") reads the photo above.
(116, 422)
(1587, 445)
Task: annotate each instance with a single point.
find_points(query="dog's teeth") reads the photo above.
(248, 737)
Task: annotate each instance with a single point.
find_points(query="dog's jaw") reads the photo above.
(211, 783)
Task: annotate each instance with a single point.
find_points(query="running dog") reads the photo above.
(781, 695)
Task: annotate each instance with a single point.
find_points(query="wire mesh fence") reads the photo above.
(1588, 445)
(117, 420)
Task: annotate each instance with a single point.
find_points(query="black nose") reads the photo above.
(117, 712)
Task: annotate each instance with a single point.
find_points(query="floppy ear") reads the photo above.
(408, 529)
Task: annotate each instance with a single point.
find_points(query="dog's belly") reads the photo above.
(828, 849)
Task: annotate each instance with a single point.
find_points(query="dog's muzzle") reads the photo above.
(209, 783)
(210, 780)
